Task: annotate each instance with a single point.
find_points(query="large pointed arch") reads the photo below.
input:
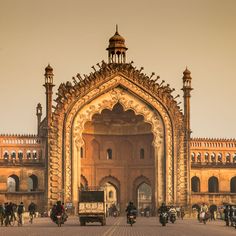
(157, 108)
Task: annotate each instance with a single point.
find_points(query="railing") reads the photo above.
(24, 162)
(22, 192)
(213, 164)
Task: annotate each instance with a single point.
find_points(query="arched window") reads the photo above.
(234, 158)
(195, 183)
(220, 157)
(207, 157)
(193, 157)
(110, 194)
(228, 158)
(6, 155)
(20, 155)
(213, 157)
(199, 157)
(13, 155)
(233, 185)
(109, 154)
(13, 183)
(35, 155)
(141, 153)
(32, 183)
(213, 185)
(28, 155)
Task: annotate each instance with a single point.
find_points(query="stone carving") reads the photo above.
(102, 90)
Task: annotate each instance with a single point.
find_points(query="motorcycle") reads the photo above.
(59, 220)
(132, 217)
(164, 218)
(172, 218)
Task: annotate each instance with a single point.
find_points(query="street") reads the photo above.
(118, 227)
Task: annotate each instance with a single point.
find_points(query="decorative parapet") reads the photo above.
(19, 139)
(202, 143)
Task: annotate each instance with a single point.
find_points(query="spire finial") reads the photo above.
(116, 28)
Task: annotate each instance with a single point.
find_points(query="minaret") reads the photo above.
(187, 130)
(48, 86)
(117, 49)
(187, 90)
(39, 115)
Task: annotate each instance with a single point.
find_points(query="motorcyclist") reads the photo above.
(172, 212)
(131, 210)
(163, 209)
(60, 210)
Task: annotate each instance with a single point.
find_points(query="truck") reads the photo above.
(92, 206)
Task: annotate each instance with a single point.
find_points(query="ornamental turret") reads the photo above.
(187, 90)
(117, 49)
(48, 86)
(39, 116)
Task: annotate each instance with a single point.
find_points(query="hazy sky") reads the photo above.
(162, 36)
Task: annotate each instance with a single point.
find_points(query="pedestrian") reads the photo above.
(2, 212)
(20, 211)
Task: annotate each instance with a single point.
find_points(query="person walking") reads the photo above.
(20, 211)
(2, 213)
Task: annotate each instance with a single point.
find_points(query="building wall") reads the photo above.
(22, 168)
(124, 168)
(213, 157)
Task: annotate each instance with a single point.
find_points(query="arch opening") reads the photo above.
(13, 183)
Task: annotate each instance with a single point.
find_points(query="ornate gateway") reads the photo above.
(117, 82)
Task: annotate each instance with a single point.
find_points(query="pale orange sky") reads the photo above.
(162, 36)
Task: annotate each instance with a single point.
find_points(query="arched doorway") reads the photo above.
(114, 139)
(32, 183)
(233, 185)
(13, 183)
(144, 197)
(143, 194)
(112, 189)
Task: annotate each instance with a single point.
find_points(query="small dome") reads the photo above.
(117, 41)
(48, 68)
(116, 38)
(186, 72)
(48, 71)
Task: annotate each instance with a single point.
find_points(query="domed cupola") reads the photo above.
(116, 49)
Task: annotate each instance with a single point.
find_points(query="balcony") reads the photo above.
(24, 162)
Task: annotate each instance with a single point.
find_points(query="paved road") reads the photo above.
(118, 227)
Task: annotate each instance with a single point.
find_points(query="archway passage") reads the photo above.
(13, 183)
(144, 198)
(118, 143)
(32, 183)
